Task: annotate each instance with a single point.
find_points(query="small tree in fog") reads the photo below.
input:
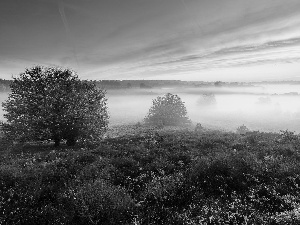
(242, 130)
(208, 99)
(198, 127)
(167, 110)
(52, 103)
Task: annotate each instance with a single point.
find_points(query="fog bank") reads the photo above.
(264, 107)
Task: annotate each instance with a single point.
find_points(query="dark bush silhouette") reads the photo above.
(167, 110)
(53, 103)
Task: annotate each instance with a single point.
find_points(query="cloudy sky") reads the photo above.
(228, 40)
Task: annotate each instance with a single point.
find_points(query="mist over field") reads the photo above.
(3, 97)
(264, 108)
(261, 107)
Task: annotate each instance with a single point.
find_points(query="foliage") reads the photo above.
(242, 129)
(4, 85)
(52, 103)
(157, 177)
(142, 85)
(263, 100)
(198, 127)
(219, 84)
(102, 203)
(208, 99)
(168, 110)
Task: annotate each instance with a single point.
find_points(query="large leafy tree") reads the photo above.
(53, 103)
(167, 110)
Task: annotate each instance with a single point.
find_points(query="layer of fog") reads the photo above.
(264, 108)
(3, 97)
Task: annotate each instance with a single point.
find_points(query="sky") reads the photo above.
(206, 40)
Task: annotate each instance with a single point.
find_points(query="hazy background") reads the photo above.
(188, 40)
(262, 107)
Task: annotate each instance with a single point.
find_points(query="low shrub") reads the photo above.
(102, 203)
(156, 177)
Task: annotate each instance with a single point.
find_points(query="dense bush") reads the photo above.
(168, 110)
(242, 129)
(207, 100)
(157, 177)
(52, 103)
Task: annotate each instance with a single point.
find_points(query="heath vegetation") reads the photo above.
(163, 171)
(155, 177)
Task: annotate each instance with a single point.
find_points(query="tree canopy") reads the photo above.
(53, 103)
(168, 110)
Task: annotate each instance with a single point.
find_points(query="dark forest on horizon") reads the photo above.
(148, 84)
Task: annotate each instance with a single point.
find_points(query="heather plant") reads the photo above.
(242, 129)
(287, 136)
(156, 177)
(198, 127)
(102, 203)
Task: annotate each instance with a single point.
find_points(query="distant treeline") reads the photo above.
(4, 85)
(121, 84)
(290, 82)
(146, 84)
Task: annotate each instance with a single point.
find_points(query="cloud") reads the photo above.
(148, 38)
(262, 36)
(273, 52)
(61, 10)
